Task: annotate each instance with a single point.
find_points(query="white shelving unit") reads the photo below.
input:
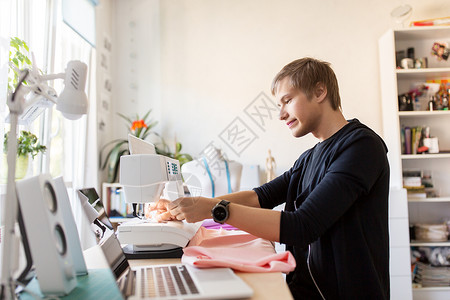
(414, 210)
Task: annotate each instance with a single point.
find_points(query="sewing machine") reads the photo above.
(146, 177)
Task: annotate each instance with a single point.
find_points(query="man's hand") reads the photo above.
(160, 211)
(192, 209)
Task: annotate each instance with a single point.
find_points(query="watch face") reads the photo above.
(220, 213)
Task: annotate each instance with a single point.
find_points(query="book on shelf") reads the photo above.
(416, 193)
(412, 181)
(115, 204)
(418, 184)
(417, 140)
(425, 275)
(412, 138)
(407, 132)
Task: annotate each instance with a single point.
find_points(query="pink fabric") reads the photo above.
(210, 224)
(237, 250)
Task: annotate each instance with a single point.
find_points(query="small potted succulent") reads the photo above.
(27, 145)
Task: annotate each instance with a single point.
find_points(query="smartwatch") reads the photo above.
(220, 212)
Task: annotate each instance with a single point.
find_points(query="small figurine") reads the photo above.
(270, 167)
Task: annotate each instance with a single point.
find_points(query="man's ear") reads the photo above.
(320, 91)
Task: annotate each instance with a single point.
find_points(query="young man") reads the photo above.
(336, 214)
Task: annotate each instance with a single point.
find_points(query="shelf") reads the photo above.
(429, 244)
(423, 74)
(430, 289)
(425, 156)
(114, 184)
(437, 199)
(425, 32)
(423, 113)
(394, 82)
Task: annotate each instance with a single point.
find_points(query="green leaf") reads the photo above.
(146, 115)
(126, 118)
(113, 167)
(27, 60)
(15, 46)
(145, 133)
(178, 147)
(117, 144)
(27, 144)
(151, 125)
(113, 160)
(138, 132)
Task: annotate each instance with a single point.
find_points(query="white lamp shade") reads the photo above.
(73, 102)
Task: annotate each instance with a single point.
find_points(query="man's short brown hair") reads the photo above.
(305, 74)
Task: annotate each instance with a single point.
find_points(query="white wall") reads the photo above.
(200, 63)
(104, 30)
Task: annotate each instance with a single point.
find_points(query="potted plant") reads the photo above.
(27, 145)
(181, 157)
(140, 127)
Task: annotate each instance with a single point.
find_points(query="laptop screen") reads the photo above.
(103, 230)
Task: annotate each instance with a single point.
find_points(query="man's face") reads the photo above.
(302, 115)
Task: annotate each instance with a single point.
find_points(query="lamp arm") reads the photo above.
(52, 76)
(16, 104)
(45, 94)
(42, 89)
(10, 215)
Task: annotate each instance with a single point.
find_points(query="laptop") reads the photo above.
(170, 281)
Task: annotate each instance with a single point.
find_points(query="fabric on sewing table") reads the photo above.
(237, 250)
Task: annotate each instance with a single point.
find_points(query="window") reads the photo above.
(54, 44)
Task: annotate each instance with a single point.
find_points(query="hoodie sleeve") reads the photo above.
(274, 193)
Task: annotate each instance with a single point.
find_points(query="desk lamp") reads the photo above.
(72, 103)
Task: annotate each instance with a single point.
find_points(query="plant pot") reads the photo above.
(21, 168)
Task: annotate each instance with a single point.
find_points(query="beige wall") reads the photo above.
(204, 61)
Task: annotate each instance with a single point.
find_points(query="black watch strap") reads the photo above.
(224, 203)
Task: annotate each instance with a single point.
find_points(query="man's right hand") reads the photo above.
(160, 211)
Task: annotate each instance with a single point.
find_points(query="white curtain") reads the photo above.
(78, 138)
(4, 59)
(85, 159)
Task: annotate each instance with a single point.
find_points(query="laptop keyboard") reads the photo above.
(166, 281)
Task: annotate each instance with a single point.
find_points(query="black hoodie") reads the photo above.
(336, 216)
